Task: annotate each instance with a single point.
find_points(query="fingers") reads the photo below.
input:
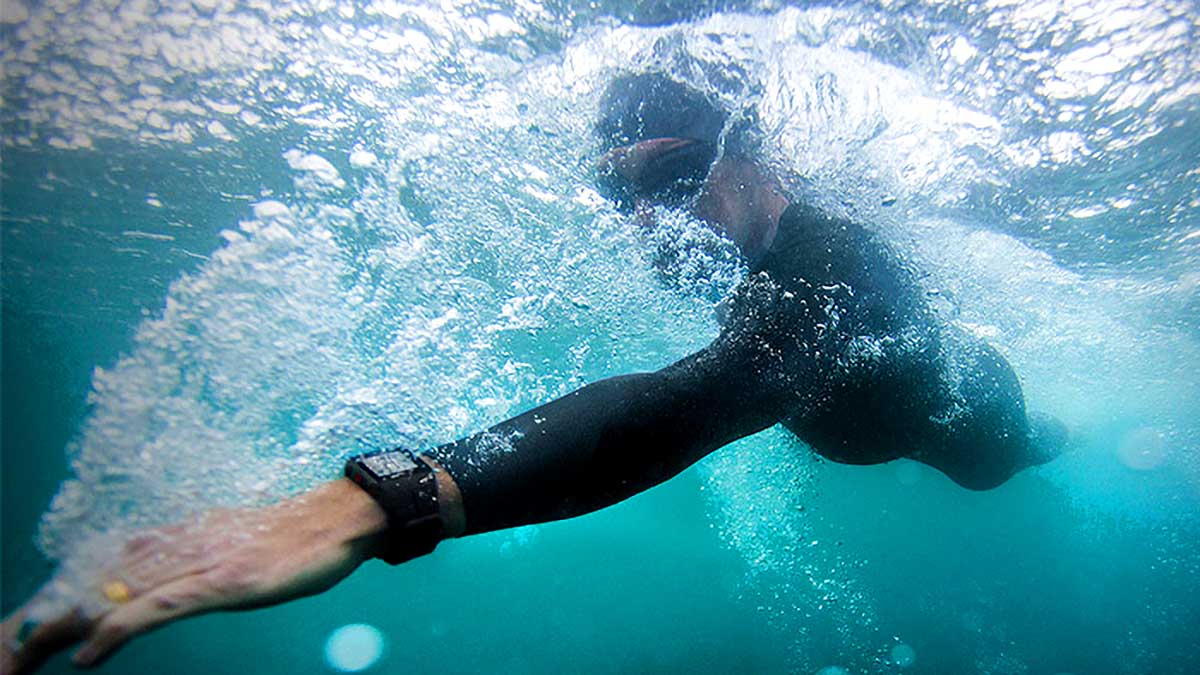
(27, 644)
(11, 639)
(160, 575)
(180, 598)
(166, 586)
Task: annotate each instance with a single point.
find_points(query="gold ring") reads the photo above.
(117, 592)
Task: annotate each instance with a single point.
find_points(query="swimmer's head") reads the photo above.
(668, 144)
(641, 106)
(660, 138)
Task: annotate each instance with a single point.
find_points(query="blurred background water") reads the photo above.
(241, 240)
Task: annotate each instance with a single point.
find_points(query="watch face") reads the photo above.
(388, 464)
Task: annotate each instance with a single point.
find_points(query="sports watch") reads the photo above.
(406, 487)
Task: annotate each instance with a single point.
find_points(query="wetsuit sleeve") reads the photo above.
(612, 439)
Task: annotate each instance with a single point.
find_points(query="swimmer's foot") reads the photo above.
(1048, 438)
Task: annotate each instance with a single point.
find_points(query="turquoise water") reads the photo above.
(241, 241)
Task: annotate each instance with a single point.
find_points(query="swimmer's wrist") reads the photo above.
(355, 518)
(366, 520)
(450, 505)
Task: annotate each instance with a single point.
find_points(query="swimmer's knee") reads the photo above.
(990, 466)
(978, 462)
(980, 483)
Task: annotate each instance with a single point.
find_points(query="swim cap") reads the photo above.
(641, 106)
(662, 138)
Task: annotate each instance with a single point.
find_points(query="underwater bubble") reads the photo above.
(833, 670)
(354, 647)
(903, 655)
(315, 167)
(14, 12)
(361, 159)
(1142, 449)
(270, 209)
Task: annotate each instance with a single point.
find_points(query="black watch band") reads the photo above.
(405, 486)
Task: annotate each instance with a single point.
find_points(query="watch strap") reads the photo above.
(410, 501)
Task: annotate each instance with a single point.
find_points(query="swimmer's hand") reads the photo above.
(231, 559)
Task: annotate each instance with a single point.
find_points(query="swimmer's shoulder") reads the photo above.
(810, 243)
(815, 249)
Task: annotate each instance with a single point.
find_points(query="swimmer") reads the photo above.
(828, 335)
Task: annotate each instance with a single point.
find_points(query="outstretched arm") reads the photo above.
(584, 451)
(594, 447)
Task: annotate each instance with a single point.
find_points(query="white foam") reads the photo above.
(13, 12)
(316, 166)
(362, 159)
(270, 209)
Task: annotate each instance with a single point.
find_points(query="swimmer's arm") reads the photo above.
(617, 437)
(587, 450)
(610, 440)
(582, 452)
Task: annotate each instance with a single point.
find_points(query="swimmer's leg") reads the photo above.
(1048, 438)
(986, 435)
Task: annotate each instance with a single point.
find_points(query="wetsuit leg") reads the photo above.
(980, 437)
(957, 407)
(878, 411)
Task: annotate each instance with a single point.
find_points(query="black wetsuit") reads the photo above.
(828, 335)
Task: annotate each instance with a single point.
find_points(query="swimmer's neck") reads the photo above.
(743, 200)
